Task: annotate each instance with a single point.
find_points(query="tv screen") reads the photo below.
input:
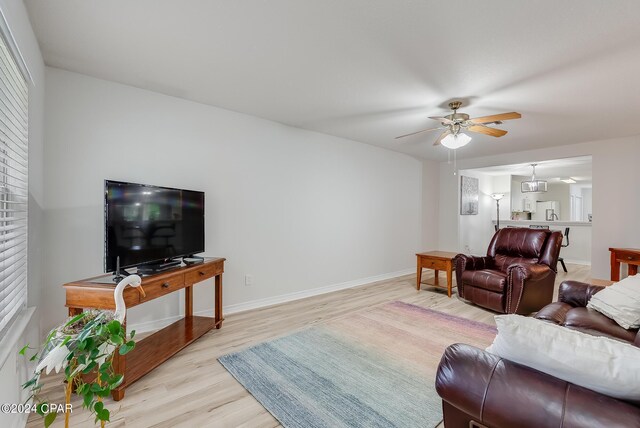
(151, 224)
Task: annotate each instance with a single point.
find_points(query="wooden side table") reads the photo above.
(436, 260)
(630, 256)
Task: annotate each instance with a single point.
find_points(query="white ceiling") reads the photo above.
(370, 70)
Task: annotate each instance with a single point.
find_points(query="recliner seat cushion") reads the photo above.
(487, 279)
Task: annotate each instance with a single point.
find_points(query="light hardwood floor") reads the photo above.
(192, 389)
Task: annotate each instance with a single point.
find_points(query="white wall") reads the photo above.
(430, 190)
(13, 369)
(587, 203)
(615, 207)
(296, 209)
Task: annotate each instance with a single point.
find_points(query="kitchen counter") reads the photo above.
(579, 249)
(526, 223)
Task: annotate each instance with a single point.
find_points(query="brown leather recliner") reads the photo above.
(517, 274)
(479, 389)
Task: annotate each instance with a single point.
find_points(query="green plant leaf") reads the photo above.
(33, 357)
(116, 380)
(23, 350)
(125, 348)
(88, 398)
(48, 420)
(29, 383)
(98, 406)
(65, 341)
(133, 333)
(75, 319)
(40, 408)
(95, 387)
(92, 365)
(103, 415)
(82, 359)
(116, 339)
(114, 327)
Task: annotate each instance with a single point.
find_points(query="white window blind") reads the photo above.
(13, 188)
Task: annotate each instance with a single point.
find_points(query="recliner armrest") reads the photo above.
(529, 287)
(465, 262)
(576, 293)
(527, 271)
(500, 393)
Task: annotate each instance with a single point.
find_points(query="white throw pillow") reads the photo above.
(620, 302)
(601, 364)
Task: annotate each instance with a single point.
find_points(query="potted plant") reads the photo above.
(84, 347)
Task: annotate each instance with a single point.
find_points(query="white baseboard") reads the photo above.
(270, 301)
(577, 262)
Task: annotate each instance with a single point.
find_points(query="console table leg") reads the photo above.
(188, 301)
(615, 267)
(218, 298)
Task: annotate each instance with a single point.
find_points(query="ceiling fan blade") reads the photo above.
(494, 132)
(444, 134)
(419, 132)
(444, 120)
(496, 117)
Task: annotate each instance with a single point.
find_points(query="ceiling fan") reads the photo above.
(454, 124)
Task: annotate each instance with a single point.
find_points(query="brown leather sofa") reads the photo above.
(479, 389)
(517, 274)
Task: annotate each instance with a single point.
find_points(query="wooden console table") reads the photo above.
(150, 352)
(436, 260)
(630, 256)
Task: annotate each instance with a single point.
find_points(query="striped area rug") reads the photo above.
(371, 368)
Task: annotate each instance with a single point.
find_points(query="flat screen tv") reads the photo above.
(150, 224)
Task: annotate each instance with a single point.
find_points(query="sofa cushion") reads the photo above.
(602, 364)
(487, 279)
(620, 301)
(586, 320)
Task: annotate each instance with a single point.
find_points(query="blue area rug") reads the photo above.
(373, 368)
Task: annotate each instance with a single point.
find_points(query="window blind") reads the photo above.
(13, 188)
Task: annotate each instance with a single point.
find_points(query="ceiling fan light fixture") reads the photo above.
(533, 185)
(455, 141)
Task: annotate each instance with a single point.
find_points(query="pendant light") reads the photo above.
(533, 185)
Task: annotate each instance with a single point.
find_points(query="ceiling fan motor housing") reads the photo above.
(458, 117)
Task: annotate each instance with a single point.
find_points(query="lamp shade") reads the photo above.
(497, 196)
(455, 141)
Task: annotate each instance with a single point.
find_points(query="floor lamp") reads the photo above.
(497, 197)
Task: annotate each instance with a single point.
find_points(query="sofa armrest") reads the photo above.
(576, 293)
(499, 393)
(529, 287)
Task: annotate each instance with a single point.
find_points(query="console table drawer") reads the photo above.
(202, 272)
(625, 257)
(434, 264)
(160, 287)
